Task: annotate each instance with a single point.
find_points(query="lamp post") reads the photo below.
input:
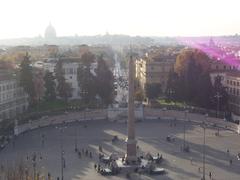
(76, 145)
(204, 145)
(184, 130)
(34, 162)
(62, 152)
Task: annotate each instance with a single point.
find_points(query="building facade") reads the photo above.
(231, 80)
(154, 70)
(13, 99)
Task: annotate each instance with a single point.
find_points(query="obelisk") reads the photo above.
(131, 155)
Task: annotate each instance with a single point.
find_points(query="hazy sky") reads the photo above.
(28, 18)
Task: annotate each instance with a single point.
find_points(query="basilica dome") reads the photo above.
(50, 32)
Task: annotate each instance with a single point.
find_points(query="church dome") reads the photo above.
(50, 32)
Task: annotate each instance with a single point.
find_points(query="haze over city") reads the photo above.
(119, 89)
(28, 18)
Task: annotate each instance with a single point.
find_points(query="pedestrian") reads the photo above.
(98, 168)
(79, 154)
(199, 169)
(49, 176)
(228, 151)
(95, 166)
(76, 149)
(230, 161)
(210, 175)
(100, 149)
(191, 160)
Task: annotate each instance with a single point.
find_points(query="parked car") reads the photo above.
(170, 138)
(106, 172)
(157, 170)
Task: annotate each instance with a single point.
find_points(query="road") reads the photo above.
(121, 83)
(151, 137)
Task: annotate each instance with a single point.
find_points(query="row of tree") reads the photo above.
(93, 83)
(190, 82)
(97, 84)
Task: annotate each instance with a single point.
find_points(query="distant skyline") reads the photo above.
(29, 18)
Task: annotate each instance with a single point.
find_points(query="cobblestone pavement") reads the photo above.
(151, 135)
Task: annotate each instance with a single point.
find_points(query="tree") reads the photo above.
(26, 78)
(139, 96)
(172, 88)
(191, 81)
(87, 58)
(86, 79)
(63, 88)
(153, 90)
(50, 86)
(38, 80)
(187, 55)
(221, 93)
(204, 92)
(104, 82)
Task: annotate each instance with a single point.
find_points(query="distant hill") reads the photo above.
(90, 40)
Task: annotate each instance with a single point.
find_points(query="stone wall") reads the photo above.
(113, 114)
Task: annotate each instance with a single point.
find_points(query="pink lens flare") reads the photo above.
(219, 49)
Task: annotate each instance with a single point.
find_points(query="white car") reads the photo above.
(238, 156)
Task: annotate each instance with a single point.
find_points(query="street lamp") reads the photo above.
(204, 144)
(76, 134)
(184, 130)
(61, 148)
